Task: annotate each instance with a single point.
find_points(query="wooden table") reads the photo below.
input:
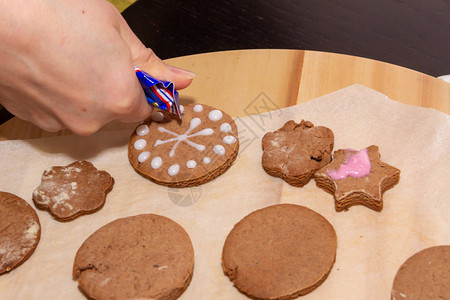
(233, 80)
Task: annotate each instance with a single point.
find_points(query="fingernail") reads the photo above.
(185, 73)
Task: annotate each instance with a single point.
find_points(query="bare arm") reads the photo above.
(70, 64)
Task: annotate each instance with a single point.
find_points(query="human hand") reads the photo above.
(70, 64)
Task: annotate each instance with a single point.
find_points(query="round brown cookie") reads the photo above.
(296, 151)
(187, 152)
(20, 231)
(144, 256)
(425, 275)
(279, 252)
(68, 192)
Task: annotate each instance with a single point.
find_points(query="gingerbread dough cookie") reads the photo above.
(20, 231)
(296, 151)
(279, 252)
(425, 275)
(187, 152)
(145, 256)
(68, 192)
(343, 178)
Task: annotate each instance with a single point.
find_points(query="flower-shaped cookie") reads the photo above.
(68, 192)
(296, 151)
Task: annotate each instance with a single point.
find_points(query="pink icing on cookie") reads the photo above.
(358, 165)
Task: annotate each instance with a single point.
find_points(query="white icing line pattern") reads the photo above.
(157, 162)
(184, 137)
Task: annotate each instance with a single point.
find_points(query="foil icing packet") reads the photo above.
(159, 93)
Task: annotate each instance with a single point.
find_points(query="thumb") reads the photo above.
(147, 60)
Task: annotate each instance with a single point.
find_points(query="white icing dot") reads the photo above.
(143, 156)
(157, 116)
(198, 108)
(174, 169)
(142, 130)
(140, 144)
(181, 109)
(215, 115)
(225, 127)
(191, 164)
(229, 139)
(207, 160)
(219, 149)
(156, 162)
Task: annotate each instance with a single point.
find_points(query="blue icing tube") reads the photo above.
(161, 94)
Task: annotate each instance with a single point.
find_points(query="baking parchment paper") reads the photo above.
(371, 245)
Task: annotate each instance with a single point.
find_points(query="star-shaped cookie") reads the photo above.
(366, 190)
